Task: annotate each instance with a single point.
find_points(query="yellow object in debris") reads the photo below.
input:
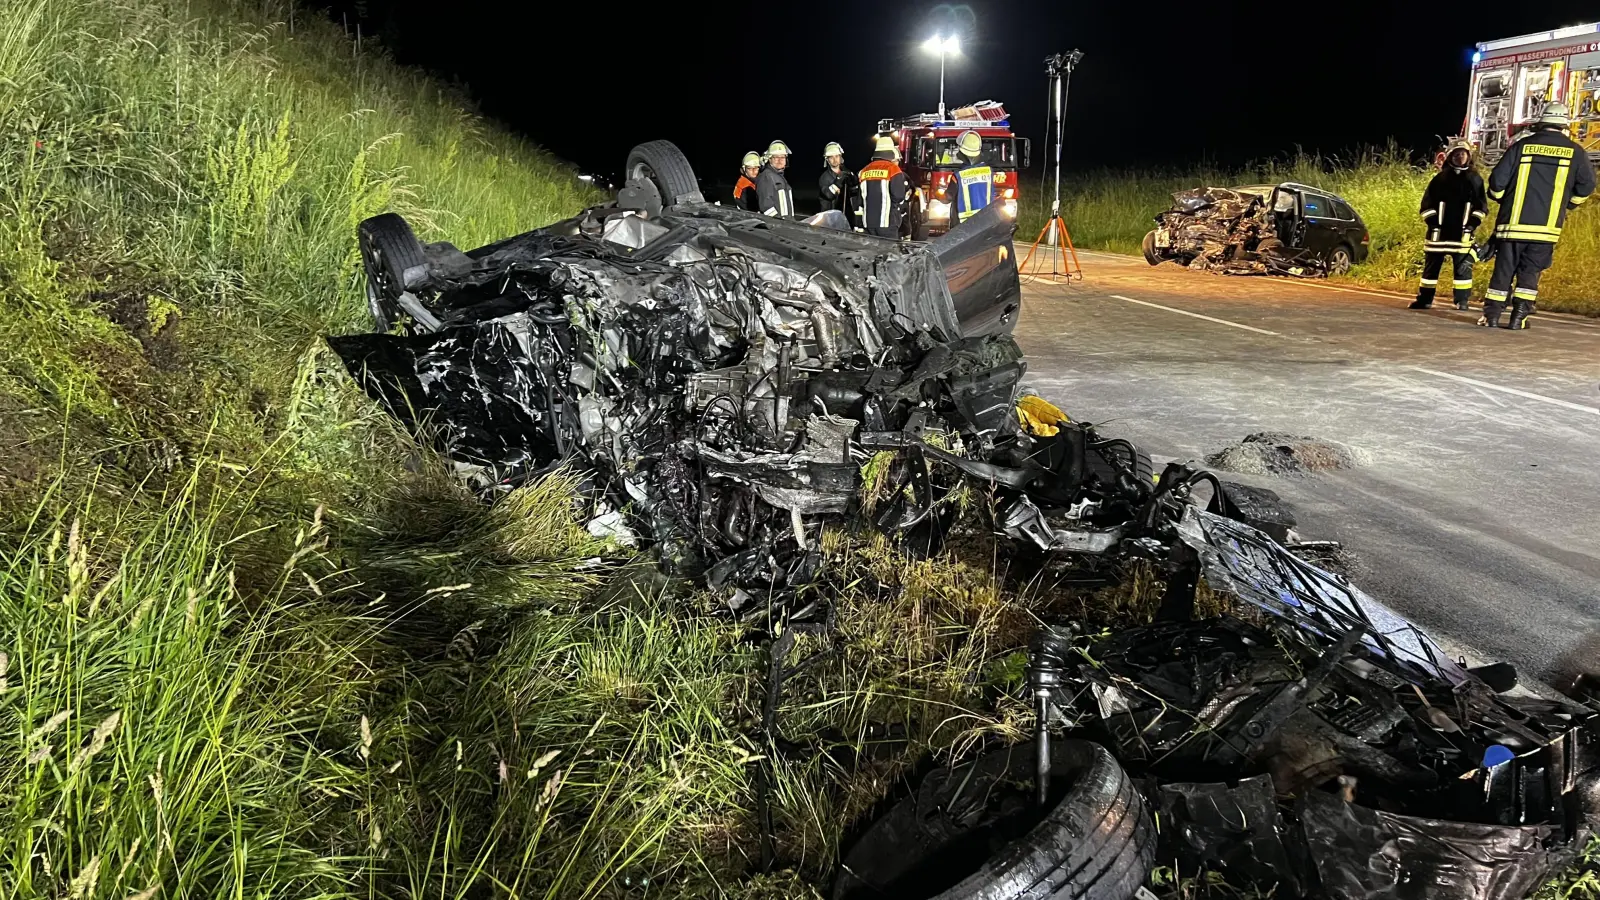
(1039, 416)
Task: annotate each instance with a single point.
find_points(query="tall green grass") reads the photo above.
(1112, 210)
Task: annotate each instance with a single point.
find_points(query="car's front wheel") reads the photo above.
(1149, 247)
(1340, 259)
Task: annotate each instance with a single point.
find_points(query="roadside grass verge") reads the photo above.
(1112, 210)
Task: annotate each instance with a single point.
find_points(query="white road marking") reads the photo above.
(1184, 312)
(1495, 387)
(1489, 397)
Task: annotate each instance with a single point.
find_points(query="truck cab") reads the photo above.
(928, 155)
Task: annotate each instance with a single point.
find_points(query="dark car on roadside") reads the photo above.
(1287, 228)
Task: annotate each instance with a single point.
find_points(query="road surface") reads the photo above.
(1477, 509)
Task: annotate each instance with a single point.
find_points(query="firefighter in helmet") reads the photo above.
(884, 189)
(744, 190)
(1540, 179)
(1453, 207)
(836, 187)
(973, 184)
(774, 197)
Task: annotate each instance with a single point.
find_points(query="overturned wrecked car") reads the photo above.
(725, 379)
(1284, 229)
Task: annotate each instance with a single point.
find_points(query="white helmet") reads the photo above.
(777, 148)
(1555, 113)
(752, 160)
(833, 149)
(883, 142)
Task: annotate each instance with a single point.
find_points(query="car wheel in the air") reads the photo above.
(388, 248)
(662, 166)
(973, 832)
(1149, 247)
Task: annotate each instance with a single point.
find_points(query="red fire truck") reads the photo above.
(1513, 78)
(930, 159)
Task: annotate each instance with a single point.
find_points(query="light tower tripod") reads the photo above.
(1053, 236)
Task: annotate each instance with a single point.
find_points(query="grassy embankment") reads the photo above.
(1113, 210)
(252, 639)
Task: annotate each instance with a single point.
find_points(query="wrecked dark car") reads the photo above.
(722, 379)
(1284, 229)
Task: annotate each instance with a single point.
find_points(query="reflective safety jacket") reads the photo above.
(1453, 207)
(836, 190)
(744, 193)
(974, 189)
(774, 197)
(884, 189)
(1539, 179)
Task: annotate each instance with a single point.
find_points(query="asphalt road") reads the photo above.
(1477, 509)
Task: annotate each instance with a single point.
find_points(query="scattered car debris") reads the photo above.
(1407, 774)
(724, 379)
(1286, 229)
(1276, 453)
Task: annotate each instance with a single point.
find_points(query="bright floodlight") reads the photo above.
(934, 44)
(952, 45)
(942, 45)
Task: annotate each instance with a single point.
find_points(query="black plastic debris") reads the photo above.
(1367, 854)
(1235, 829)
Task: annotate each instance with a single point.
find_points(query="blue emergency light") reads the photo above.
(1477, 57)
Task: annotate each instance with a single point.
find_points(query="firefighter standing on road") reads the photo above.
(1539, 180)
(744, 190)
(1453, 207)
(774, 197)
(884, 189)
(974, 184)
(836, 187)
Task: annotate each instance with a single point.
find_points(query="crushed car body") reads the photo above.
(1286, 229)
(724, 379)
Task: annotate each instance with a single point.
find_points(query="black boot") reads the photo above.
(1521, 311)
(1420, 303)
(1461, 303)
(1491, 313)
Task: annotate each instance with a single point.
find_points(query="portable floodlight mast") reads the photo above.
(1058, 69)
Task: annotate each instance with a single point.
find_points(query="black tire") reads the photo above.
(388, 248)
(1149, 247)
(1103, 462)
(662, 164)
(1097, 841)
(1340, 259)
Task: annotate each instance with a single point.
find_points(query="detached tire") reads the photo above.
(388, 248)
(662, 164)
(1149, 247)
(972, 833)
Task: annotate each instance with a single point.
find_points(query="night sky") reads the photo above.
(1161, 83)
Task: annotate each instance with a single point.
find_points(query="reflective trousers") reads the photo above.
(1433, 264)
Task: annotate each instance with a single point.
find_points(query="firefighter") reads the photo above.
(836, 187)
(1540, 179)
(774, 197)
(1453, 207)
(744, 190)
(884, 189)
(973, 184)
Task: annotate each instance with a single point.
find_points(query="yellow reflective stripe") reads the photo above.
(1430, 282)
(1524, 169)
(1464, 284)
(1494, 295)
(1527, 232)
(1577, 201)
(1525, 294)
(1496, 195)
(1560, 190)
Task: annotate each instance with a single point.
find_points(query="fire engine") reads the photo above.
(1512, 80)
(928, 155)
